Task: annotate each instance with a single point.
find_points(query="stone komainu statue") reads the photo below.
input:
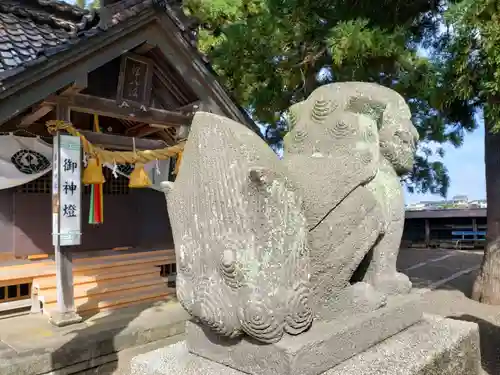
(264, 245)
(240, 234)
(348, 145)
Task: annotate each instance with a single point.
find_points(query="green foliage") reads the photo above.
(273, 53)
(88, 4)
(470, 52)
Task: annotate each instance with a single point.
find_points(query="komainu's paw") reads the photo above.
(359, 298)
(396, 283)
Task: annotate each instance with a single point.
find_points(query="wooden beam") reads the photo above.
(134, 129)
(63, 111)
(38, 113)
(145, 131)
(191, 107)
(163, 134)
(143, 48)
(120, 142)
(108, 107)
(80, 84)
(162, 126)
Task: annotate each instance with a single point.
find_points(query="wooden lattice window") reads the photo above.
(15, 292)
(42, 185)
(112, 186)
(169, 271)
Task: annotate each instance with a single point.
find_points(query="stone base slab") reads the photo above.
(325, 345)
(434, 346)
(64, 319)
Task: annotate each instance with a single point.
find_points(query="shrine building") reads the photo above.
(128, 77)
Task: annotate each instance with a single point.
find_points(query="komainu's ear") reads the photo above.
(369, 107)
(293, 114)
(261, 176)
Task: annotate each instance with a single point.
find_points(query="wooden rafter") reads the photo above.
(191, 107)
(107, 107)
(167, 137)
(41, 110)
(145, 131)
(134, 129)
(35, 115)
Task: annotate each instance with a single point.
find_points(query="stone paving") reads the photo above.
(30, 345)
(451, 274)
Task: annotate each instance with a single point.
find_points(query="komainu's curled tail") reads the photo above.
(240, 234)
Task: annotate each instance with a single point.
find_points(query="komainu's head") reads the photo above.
(330, 118)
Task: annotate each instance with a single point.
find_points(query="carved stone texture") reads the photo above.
(433, 346)
(348, 144)
(240, 234)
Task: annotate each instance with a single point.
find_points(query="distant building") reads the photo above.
(456, 202)
(460, 201)
(479, 203)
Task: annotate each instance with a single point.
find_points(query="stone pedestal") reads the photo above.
(323, 346)
(433, 346)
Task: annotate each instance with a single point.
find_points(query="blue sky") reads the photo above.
(465, 167)
(465, 164)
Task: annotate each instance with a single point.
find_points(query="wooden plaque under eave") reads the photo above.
(134, 83)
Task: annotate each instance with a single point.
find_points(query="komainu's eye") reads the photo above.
(405, 137)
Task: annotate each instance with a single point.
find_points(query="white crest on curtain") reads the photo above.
(23, 159)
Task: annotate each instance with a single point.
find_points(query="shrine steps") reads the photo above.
(110, 281)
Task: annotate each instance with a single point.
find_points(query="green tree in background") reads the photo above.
(88, 4)
(470, 57)
(273, 53)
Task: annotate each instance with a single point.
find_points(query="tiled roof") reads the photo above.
(32, 30)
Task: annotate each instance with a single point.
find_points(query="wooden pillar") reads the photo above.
(474, 227)
(427, 233)
(65, 313)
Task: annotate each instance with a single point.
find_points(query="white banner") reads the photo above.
(23, 159)
(67, 189)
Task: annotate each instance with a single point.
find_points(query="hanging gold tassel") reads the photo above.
(139, 178)
(92, 175)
